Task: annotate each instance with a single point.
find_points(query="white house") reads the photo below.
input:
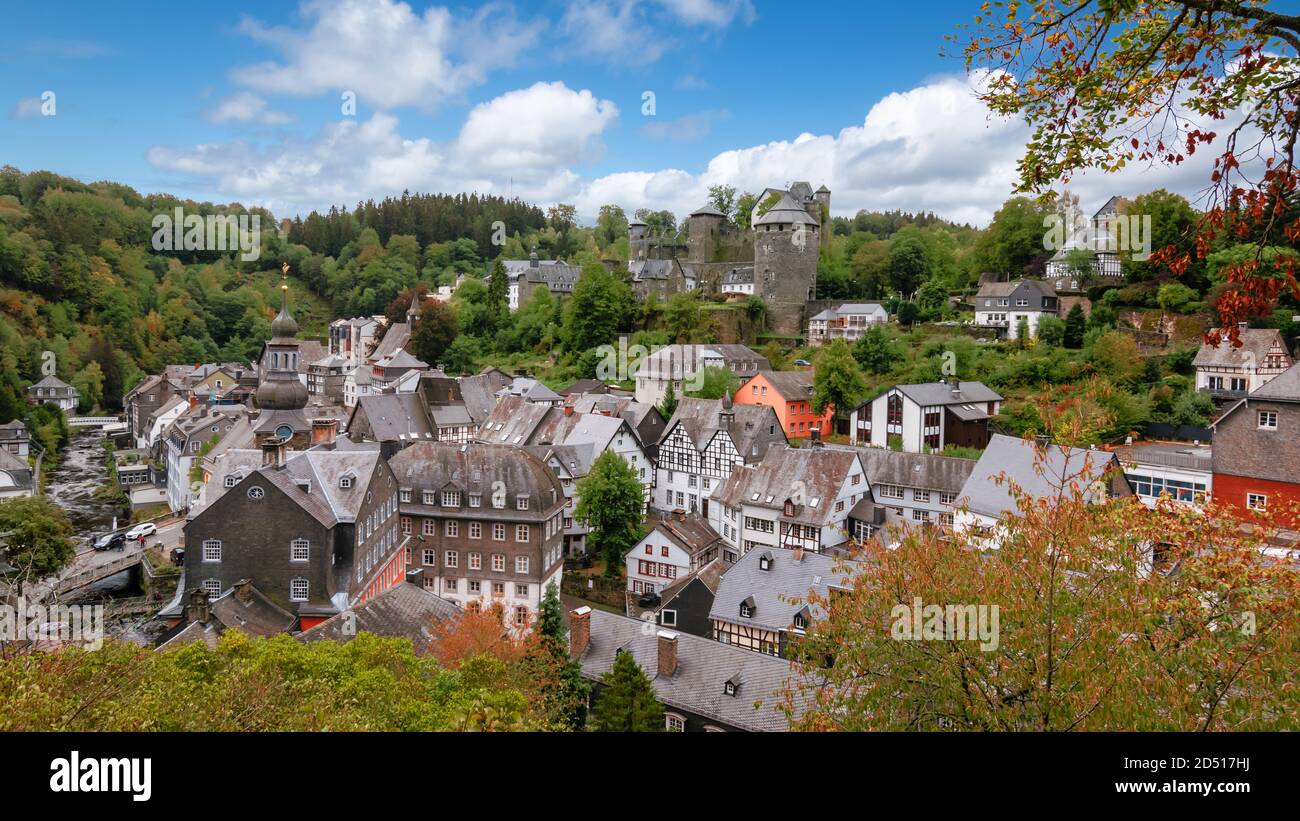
(703, 442)
(1175, 470)
(795, 499)
(679, 364)
(1226, 371)
(928, 416)
(1003, 305)
(848, 322)
(676, 547)
(54, 391)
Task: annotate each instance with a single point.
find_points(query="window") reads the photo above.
(299, 550)
(521, 502)
(475, 530)
(891, 492)
(668, 618)
(475, 500)
(800, 622)
(429, 527)
(674, 723)
(499, 562)
(522, 533)
(212, 587)
(212, 550)
(427, 497)
(521, 564)
(406, 525)
(947, 498)
(498, 588)
(521, 591)
(498, 532)
(451, 585)
(475, 586)
(476, 561)
(920, 515)
(921, 495)
(451, 498)
(298, 590)
(451, 528)
(345, 482)
(428, 556)
(1256, 501)
(405, 494)
(1268, 420)
(746, 610)
(256, 493)
(451, 558)
(231, 481)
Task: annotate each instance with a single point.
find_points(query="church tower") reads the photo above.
(281, 395)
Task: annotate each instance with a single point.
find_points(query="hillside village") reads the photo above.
(357, 479)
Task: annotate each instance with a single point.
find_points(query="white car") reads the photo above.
(142, 530)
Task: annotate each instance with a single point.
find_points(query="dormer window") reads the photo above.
(729, 688)
(765, 562)
(451, 498)
(801, 620)
(345, 482)
(475, 500)
(405, 494)
(521, 502)
(747, 608)
(427, 497)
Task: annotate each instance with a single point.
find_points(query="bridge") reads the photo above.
(92, 566)
(108, 424)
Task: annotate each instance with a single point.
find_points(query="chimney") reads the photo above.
(324, 431)
(194, 401)
(196, 610)
(568, 409)
(244, 590)
(1042, 441)
(796, 555)
(415, 576)
(1243, 325)
(667, 653)
(273, 453)
(579, 631)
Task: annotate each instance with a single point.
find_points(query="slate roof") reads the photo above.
(395, 338)
(704, 666)
(52, 381)
(675, 361)
(393, 417)
(749, 429)
(1285, 387)
(585, 386)
(531, 389)
(402, 611)
(740, 275)
(1006, 289)
(781, 591)
(1255, 345)
(791, 385)
(708, 211)
(480, 392)
(17, 467)
(787, 212)
(928, 394)
(691, 533)
(822, 472)
(474, 468)
(643, 269)
(947, 474)
(1017, 459)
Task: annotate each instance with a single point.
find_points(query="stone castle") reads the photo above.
(776, 258)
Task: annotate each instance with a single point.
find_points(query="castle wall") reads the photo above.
(785, 275)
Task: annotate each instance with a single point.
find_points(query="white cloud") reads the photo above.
(614, 30)
(711, 12)
(687, 128)
(385, 52)
(247, 107)
(522, 142)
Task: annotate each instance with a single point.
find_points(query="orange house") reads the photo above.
(789, 393)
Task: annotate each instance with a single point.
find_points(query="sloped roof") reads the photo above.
(401, 611)
(259, 616)
(480, 393)
(947, 474)
(643, 269)
(475, 468)
(791, 385)
(394, 417)
(704, 667)
(818, 472)
(754, 427)
(52, 381)
(1018, 459)
(1285, 387)
(782, 590)
(691, 533)
(787, 212)
(928, 394)
(1255, 346)
(1006, 289)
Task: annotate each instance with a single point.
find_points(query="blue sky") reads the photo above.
(543, 100)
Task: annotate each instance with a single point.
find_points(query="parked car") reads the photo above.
(111, 541)
(141, 530)
(803, 363)
(178, 556)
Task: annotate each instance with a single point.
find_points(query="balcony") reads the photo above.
(1223, 393)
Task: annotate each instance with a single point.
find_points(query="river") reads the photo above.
(72, 487)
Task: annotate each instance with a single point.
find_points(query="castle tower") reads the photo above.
(823, 197)
(786, 243)
(706, 229)
(281, 395)
(638, 240)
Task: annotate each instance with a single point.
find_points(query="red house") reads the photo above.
(1256, 454)
(789, 393)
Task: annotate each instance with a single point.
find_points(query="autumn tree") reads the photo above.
(1105, 84)
(1109, 616)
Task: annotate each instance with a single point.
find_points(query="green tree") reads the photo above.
(837, 381)
(1051, 331)
(713, 383)
(436, 326)
(874, 351)
(498, 295)
(611, 500)
(723, 198)
(1175, 297)
(669, 404)
(907, 265)
(1013, 242)
(600, 305)
(38, 536)
(685, 321)
(627, 702)
(564, 690)
(932, 300)
(1075, 324)
(89, 383)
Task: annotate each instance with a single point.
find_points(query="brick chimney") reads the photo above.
(324, 431)
(667, 653)
(579, 631)
(568, 408)
(273, 453)
(796, 554)
(244, 590)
